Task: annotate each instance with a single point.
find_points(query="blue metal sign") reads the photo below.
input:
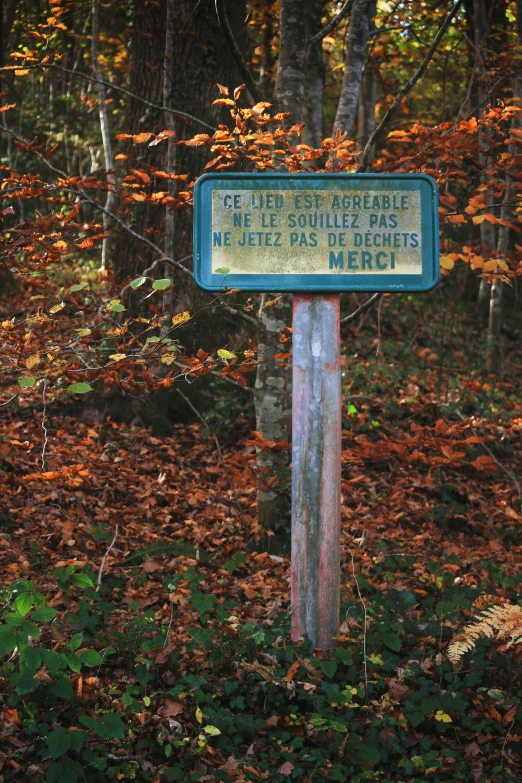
(316, 232)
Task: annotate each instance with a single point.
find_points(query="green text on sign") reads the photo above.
(316, 232)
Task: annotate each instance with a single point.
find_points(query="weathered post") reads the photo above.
(315, 235)
(316, 468)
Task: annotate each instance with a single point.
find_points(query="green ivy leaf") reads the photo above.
(31, 659)
(77, 740)
(26, 382)
(392, 641)
(80, 388)
(212, 730)
(174, 773)
(66, 769)
(58, 742)
(76, 642)
(415, 718)
(44, 614)
(91, 658)
(81, 580)
(328, 668)
(114, 726)
(161, 285)
(78, 287)
(24, 603)
(371, 755)
(74, 662)
(138, 282)
(223, 270)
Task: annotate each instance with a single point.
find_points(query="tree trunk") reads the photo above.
(487, 230)
(273, 383)
(130, 256)
(170, 124)
(367, 102)
(493, 359)
(200, 59)
(494, 354)
(272, 401)
(266, 83)
(314, 85)
(110, 202)
(356, 49)
(291, 67)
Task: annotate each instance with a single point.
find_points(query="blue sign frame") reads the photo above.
(316, 283)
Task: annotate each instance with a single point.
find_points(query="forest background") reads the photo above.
(144, 430)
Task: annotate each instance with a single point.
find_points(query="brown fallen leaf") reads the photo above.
(170, 708)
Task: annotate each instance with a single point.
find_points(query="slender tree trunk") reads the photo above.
(314, 84)
(200, 58)
(170, 124)
(291, 68)
(493, 350)
(367, 101)
(494, 355)
(272, 401)
(266, 83)
(147, 52)
(493, 359)
(110, 202)
(487, 230)
(273, 382)
(356, 49)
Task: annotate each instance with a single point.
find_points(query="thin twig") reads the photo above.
(8, 401)
(332, 24)
(44, 426)
(170, 624)
(102, 567)
(365, 619)
(226, 378)
(504, 744)
(408, 86)
(362, 309)
(378, 351)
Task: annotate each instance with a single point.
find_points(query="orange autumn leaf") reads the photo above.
(292, 671)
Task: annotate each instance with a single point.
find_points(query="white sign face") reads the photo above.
(309, 232)
(316, 232)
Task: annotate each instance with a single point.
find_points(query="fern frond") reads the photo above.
(503, 620)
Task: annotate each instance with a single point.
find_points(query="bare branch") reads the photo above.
(226, 378)
(362, 309)
(332, 24)
(86, 76)
(408, 86)
(235, 51)
(102, 567)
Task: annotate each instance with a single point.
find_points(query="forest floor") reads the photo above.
(189, 619)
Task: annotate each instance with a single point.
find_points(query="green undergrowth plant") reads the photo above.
(98, 700)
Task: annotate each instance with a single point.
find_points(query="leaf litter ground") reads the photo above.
(431, 517)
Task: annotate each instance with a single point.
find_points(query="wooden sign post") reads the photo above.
(316, 467)
(316, 235)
